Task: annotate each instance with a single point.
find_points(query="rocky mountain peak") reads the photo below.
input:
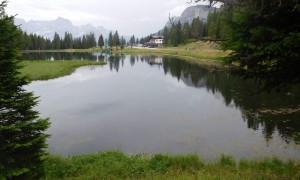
(192, 12)
(60, 26)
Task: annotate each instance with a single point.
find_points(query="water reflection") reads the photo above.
(255, 105)
(167, 104)
(62, 56)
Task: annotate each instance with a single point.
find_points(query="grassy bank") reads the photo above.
(116, 165)
(43, 70)
(198, 50)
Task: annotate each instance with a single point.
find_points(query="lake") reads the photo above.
(163, 104)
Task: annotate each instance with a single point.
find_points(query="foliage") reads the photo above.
(215, 28)
(55, 43)
(176, 34)
(116, 39)
(90, 40)
(117, 165)
(265, 40)
(110, 39)
(123, 42)
(22, 141)
(68, 41)
(37, 42)
(196, 28)
(132, 41)
(101, 41)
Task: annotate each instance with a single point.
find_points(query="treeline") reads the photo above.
(37, 42)
(213, 28)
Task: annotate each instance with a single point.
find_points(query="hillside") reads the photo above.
(192, 12)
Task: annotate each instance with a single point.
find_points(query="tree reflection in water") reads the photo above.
(256, 105)
(269, 111)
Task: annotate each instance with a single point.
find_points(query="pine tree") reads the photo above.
(77, 43)
(48, 44)
(116, 39)
(68, 41)
(90, 40)
(137, 41)
(197, 27)
(123, 42)
(22, 141)
(176, 34)
(132, 41)
(100, 41)
(56, 41)
(110, 39)
(166, 34)
(265, 41)
(84, 42)
(186, 31)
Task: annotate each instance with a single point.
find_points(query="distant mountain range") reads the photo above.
(62, 25)
(192, 12)
(59, 25)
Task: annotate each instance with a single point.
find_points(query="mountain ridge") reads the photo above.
(192, 12)
(60, 25)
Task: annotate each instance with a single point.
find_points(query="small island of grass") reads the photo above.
(44, 70)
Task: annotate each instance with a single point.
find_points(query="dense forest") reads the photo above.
(37, 42)
(214, 28)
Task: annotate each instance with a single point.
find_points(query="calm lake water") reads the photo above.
(154, 104)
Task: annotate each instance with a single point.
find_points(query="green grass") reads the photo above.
(117, 165)
(198, 50)
(44, 70)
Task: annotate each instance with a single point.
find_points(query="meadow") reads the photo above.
(117, 165)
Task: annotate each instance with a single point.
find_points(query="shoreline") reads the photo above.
(45, 70)
(117, 165)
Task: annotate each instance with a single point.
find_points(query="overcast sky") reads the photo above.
(138, 17)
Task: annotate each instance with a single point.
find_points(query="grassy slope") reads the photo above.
(43, 70)
(117, 165)
(199, 50)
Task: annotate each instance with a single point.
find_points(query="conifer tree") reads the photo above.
(166, 34)
(137, 41)
(123, 42)
(132, 41)
(56, 41)
(176, 34)
(196, 29)
(22, 138)
(116, 39)
(84, 42)
(264, 39)
(110, 39)
(186, 31)
(68, 41)
(100, 41)
(90, 40)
